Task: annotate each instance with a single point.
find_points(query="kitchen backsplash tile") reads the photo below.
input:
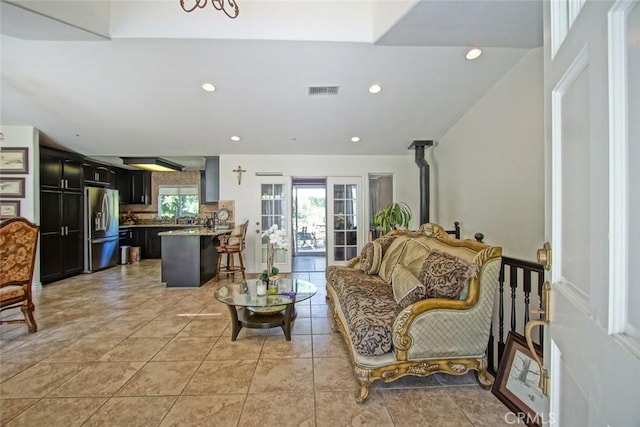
(150, 212)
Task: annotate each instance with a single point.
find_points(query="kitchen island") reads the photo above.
(146, 236)
(189, 256)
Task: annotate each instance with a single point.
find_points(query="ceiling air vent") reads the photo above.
(323, 90)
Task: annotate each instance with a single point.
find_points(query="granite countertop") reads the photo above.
(199, 231)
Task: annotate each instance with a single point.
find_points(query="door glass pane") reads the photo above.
(352, 252)
(351, 191)
(345, 234)
(273, 212)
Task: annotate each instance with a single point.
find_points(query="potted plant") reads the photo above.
(277, 239)
(393, 216)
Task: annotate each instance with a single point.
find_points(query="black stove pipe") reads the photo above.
(424, 178)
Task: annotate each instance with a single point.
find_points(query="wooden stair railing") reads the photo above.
(521, 276)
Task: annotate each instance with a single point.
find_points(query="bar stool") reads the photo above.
(230, 245)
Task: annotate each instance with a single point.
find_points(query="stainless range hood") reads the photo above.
(210, 180)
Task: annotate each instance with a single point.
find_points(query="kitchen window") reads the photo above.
(178, 200)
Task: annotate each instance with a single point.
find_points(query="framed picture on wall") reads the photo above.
(9, 209)
(517, 380)
(14, 160)
(12, 187)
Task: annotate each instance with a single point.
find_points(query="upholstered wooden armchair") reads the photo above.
(231, 245)
(18, 242)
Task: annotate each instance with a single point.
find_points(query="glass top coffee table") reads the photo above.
(250, 310)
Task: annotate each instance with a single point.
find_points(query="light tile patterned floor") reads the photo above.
(309, 263)
(117, 348)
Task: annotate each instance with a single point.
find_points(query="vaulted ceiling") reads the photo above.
(123, 78)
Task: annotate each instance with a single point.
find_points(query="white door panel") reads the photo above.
(345, 219)
(590, 353)
(274, 194)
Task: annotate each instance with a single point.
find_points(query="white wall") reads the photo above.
(488, 169)
(247, 194)
(27, 136)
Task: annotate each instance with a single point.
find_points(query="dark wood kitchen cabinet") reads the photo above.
(152, 248)
(61, 224)
(134, 187)
(124, 186)
(132, 236)
(60, 170)
(140, 187)
(153, 244)
(97, 174)
(125, 236)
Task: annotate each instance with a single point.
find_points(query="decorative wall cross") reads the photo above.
(239, 172)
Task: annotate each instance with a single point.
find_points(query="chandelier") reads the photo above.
(229, 7)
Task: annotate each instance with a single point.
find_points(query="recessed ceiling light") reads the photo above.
(375, 88)
(473, 53)
(235, 138)
(355, 139)
(208, 87)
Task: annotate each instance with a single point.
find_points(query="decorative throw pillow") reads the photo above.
(385, 241)
(407, 289)
(444, 275)
(392, 257)
(370, 258)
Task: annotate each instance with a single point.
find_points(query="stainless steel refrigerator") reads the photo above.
(101, 222)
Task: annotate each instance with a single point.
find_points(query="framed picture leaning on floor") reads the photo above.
(517, 381)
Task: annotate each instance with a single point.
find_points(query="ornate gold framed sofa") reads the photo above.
(416, 303)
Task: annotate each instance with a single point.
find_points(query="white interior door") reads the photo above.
(275, 208)
(592, 349)
(345, 219)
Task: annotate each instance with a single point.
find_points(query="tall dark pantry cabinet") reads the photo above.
(61, 223)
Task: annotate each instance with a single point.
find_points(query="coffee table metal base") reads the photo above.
(241, 317)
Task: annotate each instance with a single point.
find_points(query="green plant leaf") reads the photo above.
(393, 216)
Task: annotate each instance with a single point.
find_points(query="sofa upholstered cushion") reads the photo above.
(392, 257)
(385, 241)
(444, 275)
(407, 288)
(391, 332)
(415, 252)
(370, 257)
(369, 308)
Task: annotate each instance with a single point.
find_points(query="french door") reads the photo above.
(275, 208)
(345, 219)
(592, 92)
